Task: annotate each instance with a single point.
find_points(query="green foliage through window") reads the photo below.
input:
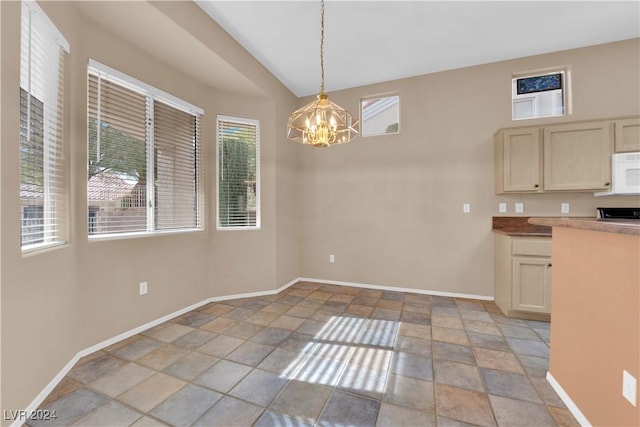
(237, 173)
(116, 151)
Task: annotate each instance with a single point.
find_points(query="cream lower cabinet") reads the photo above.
(531, 284)
(523, 276)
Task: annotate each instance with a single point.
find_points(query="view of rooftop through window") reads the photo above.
(542, 95)
(380, 115)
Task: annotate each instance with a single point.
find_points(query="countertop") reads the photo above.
(619, 226)
(519, 226)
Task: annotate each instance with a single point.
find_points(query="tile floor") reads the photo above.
(320, 355)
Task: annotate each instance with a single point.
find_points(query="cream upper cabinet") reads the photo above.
(577, 156)
(518, 160)
(572, 156)
(627, 135)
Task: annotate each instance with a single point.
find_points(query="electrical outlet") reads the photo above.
(502, 207)
(564, 208)
(466, 208)
(519, 207)
(629, 386)
(332, 258)
(143, 288)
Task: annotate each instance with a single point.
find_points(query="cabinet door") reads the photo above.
(532, 284)
(522, 167)
(627, 135)
(578, 156)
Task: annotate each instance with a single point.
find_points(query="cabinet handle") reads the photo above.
(606, 184)
(536, 186)
(549, 265)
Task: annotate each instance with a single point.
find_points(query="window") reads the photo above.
(144, 156)
(380, 115)
(43, 205)
(238, 175)
(541, 95)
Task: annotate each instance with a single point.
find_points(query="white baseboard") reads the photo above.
(106, 343)
(397, 289)
(579, 416)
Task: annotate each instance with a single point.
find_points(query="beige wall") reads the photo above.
(596, 323)
(390, 207)
(59, 302)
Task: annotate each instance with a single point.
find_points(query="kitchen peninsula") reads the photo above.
(595, 333)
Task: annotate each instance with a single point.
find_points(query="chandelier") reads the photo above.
(321, 123)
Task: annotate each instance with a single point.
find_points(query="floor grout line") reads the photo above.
(337, 343)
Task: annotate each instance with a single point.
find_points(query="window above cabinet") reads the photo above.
(536, 95)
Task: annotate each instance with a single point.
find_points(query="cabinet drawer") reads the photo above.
(533, 247)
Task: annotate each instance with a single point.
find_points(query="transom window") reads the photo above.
(380, 115)
(538, 95)
(144, 157)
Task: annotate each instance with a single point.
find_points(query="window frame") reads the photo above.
(55, 207)
(362, 112)
(151, 94)
(256, 123)
(565, 91)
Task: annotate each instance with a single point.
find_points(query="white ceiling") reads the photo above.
(374, 41)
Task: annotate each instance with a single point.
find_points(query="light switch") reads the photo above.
(629, 387)
(502, 207)
(564, 208)
(466, 208)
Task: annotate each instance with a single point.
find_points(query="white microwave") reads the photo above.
(625, 175)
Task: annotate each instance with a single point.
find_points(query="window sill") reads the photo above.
(137, 235)
(39, 248)
(253, 228)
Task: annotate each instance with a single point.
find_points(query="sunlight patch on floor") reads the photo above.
(353, 351)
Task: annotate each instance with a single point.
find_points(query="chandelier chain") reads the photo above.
(322, 46)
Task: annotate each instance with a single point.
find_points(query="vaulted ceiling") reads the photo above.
(373, 41)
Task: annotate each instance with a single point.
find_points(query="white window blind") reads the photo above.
(43, 204)
(144, 157)
(176, 167)
(238, 173)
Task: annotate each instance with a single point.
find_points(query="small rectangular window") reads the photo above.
(380, 115)
(538, 95)
(143, 157)
(43, 205)
(238, 173)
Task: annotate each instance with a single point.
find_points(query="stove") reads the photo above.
(618, 213)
